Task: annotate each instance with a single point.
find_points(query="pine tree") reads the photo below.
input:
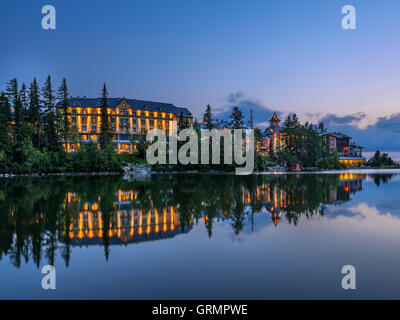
(34, 113)
(12, 91)
(50, 123)
(5, 126)
(236, 119)
(105, 127)
(17, 117)
(182, 122)
(24, 101)
(62, 94)
(207, 118)
(325, 150)
(250, 123)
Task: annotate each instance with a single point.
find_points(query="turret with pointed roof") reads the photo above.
(275, 120)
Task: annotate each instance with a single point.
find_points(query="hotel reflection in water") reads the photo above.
(133, 225)
(126, 224)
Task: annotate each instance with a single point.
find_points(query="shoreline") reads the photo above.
(63, 174)
(142, 171)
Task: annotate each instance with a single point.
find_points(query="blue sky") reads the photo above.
(285, 56)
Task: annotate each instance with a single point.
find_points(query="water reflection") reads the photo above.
(45, 217)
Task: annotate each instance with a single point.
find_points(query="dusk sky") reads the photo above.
(284, 56)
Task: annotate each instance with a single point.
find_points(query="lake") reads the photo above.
(199, 236)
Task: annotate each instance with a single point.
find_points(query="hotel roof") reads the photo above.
(77, 102)
(338, 135)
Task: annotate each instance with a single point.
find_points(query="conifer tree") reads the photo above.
(5, 126)
(236, 119)
(325, 150)
(24, 101)
(34, 113)
(105, 127)
(50, 125)
(17, 117)
(62, 95)
(250, 123)
(207, 118)
(182, 122)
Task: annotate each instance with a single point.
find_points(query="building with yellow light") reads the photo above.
(350, 153)
(273, 137)
(129, 118)
(124, 224)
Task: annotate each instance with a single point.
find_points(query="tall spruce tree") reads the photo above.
(236, 119)
(250, 123)
(182, 122)
(62, 95)
(5, 127)
(105, 127)
(325, 149)
(34, 113)
(24, 101)
(50, 123)
(207, 118)
(17, 117)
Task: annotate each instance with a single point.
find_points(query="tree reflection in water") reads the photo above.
(42, 217)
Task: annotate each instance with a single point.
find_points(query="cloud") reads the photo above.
(383, 134)
(261, 114)
(351, 119)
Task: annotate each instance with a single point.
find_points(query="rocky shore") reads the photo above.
(138, 170)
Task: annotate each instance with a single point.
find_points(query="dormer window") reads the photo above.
(162, 109)
(147, 108)
(77, 104)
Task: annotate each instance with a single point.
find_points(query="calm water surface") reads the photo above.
(201, 236)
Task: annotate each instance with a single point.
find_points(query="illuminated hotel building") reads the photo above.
(128, 118)
(350, 153)
(126, 223)
(272, 137)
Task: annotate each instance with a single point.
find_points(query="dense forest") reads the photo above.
(34, 123)
(304, 144)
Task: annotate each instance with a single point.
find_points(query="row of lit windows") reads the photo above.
(125, 121)
(124, 112)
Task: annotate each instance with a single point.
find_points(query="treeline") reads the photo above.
(34, 125)
(382, 160)
(305, 144)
